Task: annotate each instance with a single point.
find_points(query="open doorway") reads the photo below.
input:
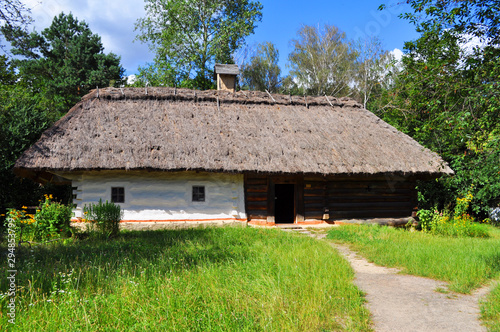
(284, 203)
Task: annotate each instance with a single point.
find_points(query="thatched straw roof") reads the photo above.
(180, 129)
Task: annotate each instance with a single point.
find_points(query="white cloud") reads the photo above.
(469, 43)
(131, 79)
(397, 53)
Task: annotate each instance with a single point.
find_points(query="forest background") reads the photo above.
(444, 92)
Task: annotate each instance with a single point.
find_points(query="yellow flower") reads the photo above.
(24, 207)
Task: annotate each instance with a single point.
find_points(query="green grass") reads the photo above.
(465, 263)
(490, 310)
(213, 279)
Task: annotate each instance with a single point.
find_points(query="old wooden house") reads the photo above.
(167, 155)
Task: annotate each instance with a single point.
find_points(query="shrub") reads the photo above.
(23, 223)
(457, 224)
(52, 220)
(105, 217)
(425, 218)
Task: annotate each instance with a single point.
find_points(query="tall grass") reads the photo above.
(213, 279)
(490, 310)
(466, 263)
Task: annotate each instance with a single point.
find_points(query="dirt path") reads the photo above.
(402, 303)
(407, 303)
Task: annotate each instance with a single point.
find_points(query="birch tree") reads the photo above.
(262, 72)
(322, 61)
(372, 67)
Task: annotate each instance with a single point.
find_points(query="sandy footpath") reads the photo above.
(401, 302)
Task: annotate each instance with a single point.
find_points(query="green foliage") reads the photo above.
(59, 66)
(262, 72)
(189, 37)
(23, 117)
(477, 18)
(425, 219)
(206, 279)
(7, 72)
(322, 60)
(105, 217)
(14, 14)
(490, 309)
(52, 220)
(23, 224)
(159, 73)
(446, 97)
(459, 223)
(64, 61)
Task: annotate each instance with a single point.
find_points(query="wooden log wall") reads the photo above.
(359, 197)
(256, 196)
(337, 197)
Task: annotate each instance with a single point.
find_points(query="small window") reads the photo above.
(117, 194)
(198, 193)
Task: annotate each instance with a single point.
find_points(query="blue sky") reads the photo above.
(357, 18)
(114, 21)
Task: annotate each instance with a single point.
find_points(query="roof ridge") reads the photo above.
(239, 97)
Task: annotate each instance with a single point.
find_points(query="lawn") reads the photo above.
(465, 263)
(211, 279)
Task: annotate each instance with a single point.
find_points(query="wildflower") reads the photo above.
(24, 207)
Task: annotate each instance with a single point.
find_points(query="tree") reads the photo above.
(14, 15)
(192, 35)
(7, 72)
(471, 18)
(65, 61)
(262, 72)
(322, 61)
(446, 96)
(372, 67)
(23, 117)
(158, 73)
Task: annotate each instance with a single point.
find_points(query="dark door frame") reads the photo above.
(298, 181)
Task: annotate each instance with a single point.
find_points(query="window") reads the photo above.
(198, 193)
(117, 194)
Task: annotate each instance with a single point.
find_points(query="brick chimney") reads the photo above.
(226, 76)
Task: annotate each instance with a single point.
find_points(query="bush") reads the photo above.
(105, 217)
(456, 224)
(23, 223)
(51, 220)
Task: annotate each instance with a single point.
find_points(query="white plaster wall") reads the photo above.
(163, 195)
